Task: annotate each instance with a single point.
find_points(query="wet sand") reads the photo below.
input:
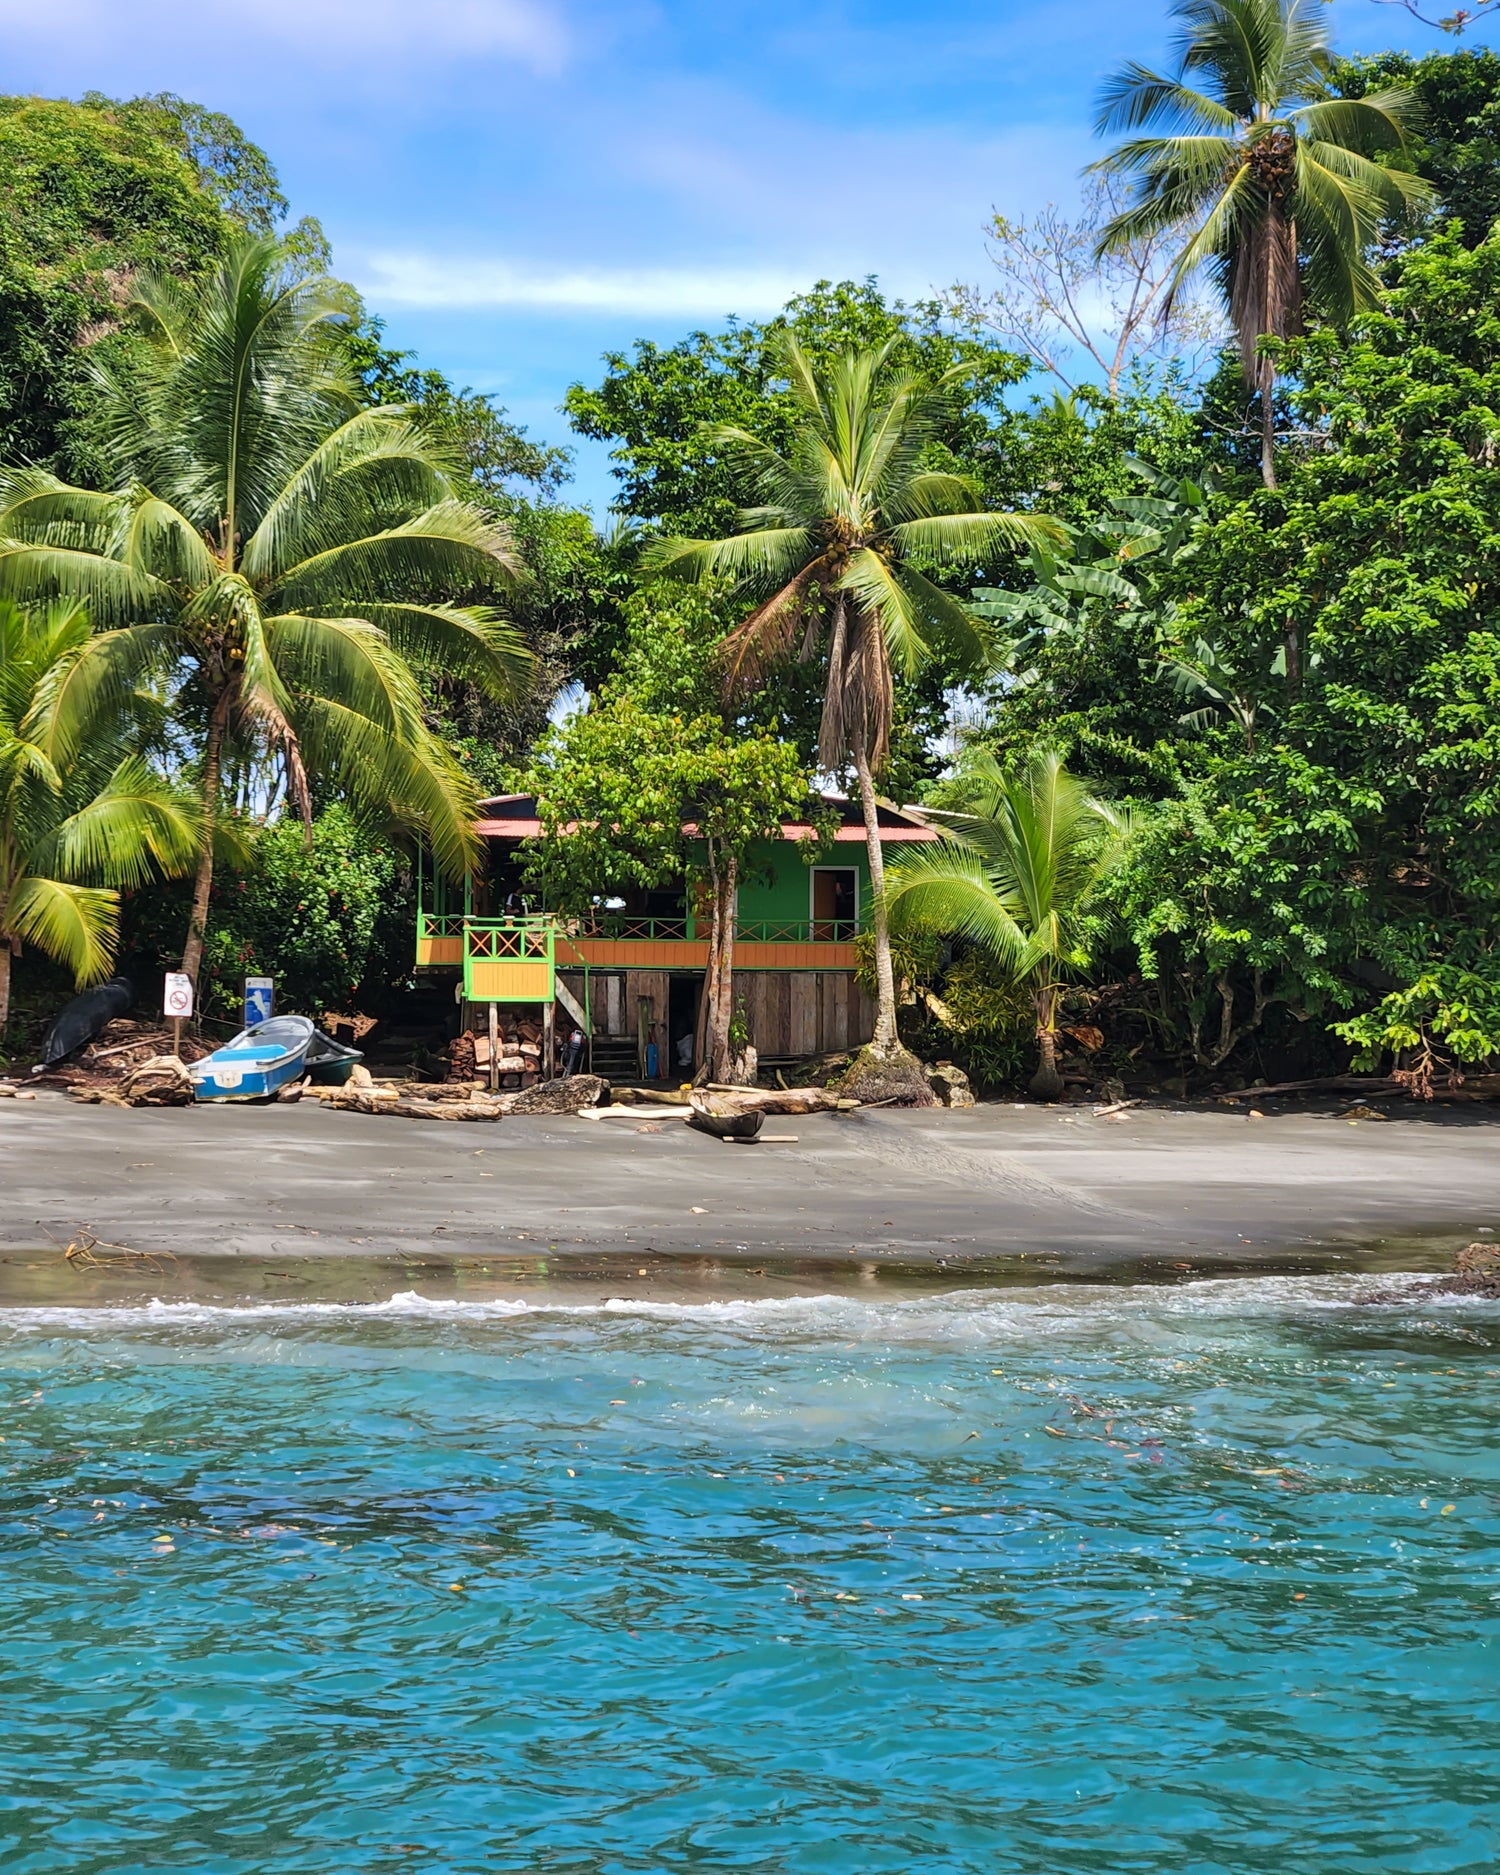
(998, 1190)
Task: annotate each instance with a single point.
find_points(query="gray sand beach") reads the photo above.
(1047, 1188)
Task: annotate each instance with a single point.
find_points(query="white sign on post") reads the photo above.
(177, 996)
(258, 995)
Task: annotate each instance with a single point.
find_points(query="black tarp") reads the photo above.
(81, 1020)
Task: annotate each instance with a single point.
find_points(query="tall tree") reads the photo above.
(1017, 876)
(839, 554)
(1271, 179)
(659, 405)
(80, 813)
(1077, 312)
(88, 201)
(290, 555)
(631, 796)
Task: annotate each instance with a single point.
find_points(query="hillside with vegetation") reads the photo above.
(1231, 595)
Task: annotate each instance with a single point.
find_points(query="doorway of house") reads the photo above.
(684, 994)
(835, 904)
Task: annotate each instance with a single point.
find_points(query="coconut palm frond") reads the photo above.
(769, 555)
(1136, 97)
(418, 782)
(76, 925)
(947, 889)
(475, 643)
(449, 547)
(377, 460)
(137, 828)
(970, 540)
(349, 660)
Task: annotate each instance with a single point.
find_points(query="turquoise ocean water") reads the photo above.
(1110, 1579)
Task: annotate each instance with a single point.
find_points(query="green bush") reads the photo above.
(333, 923)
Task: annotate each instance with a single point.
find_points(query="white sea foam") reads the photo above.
(964, 1314)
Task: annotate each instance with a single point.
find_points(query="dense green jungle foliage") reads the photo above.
(1295, 691)
(331, 920)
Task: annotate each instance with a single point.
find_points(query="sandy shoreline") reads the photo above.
(1001, 1191)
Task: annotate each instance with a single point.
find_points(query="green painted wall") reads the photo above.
(781, 890)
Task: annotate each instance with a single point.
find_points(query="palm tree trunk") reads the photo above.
(192, 950)
(721, 961)
(885, 980)
(5, 955)
(1047, 1082)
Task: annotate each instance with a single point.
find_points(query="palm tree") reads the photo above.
(1272, 180)
(79, 813)
(278, 553)
(1017, 874)
(837, 554)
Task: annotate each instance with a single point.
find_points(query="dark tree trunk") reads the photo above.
(720, 985)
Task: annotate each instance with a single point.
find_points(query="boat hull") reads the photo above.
(257, 1064)
(330, 1063)
(724, 1122)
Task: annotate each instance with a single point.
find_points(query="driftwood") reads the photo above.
(781, 1099)
(561, 1096)
(160, 1082)
(1328, 1084)
(153, 1039)
(467, 1103)
(360, 1100)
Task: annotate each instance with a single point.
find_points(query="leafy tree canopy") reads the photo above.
(234, 171)
(90, 198)
(1350, 852)
(616, 785)
(1457, 143)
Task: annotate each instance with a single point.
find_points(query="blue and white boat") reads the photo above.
(256, 1063)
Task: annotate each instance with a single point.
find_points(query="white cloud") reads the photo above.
(331, 33)
(416, 279)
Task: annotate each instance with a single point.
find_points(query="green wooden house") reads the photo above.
(632, 973)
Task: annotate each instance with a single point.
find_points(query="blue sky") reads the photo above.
(517, 185)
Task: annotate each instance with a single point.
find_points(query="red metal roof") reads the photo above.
(897, 824)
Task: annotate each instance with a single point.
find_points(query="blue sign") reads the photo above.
(258, 998)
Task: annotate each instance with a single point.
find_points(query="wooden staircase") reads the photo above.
(614, 1056)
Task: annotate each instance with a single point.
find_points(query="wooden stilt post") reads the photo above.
(494, 1009)
(549, 1038)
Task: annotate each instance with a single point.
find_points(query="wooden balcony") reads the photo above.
(513, 959)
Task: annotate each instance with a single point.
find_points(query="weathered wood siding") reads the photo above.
(788, 1012)
(804, 1012)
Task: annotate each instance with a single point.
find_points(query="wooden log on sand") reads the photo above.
(780, 1099)
(366, 1100)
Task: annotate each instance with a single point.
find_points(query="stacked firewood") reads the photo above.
(518, 1058)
